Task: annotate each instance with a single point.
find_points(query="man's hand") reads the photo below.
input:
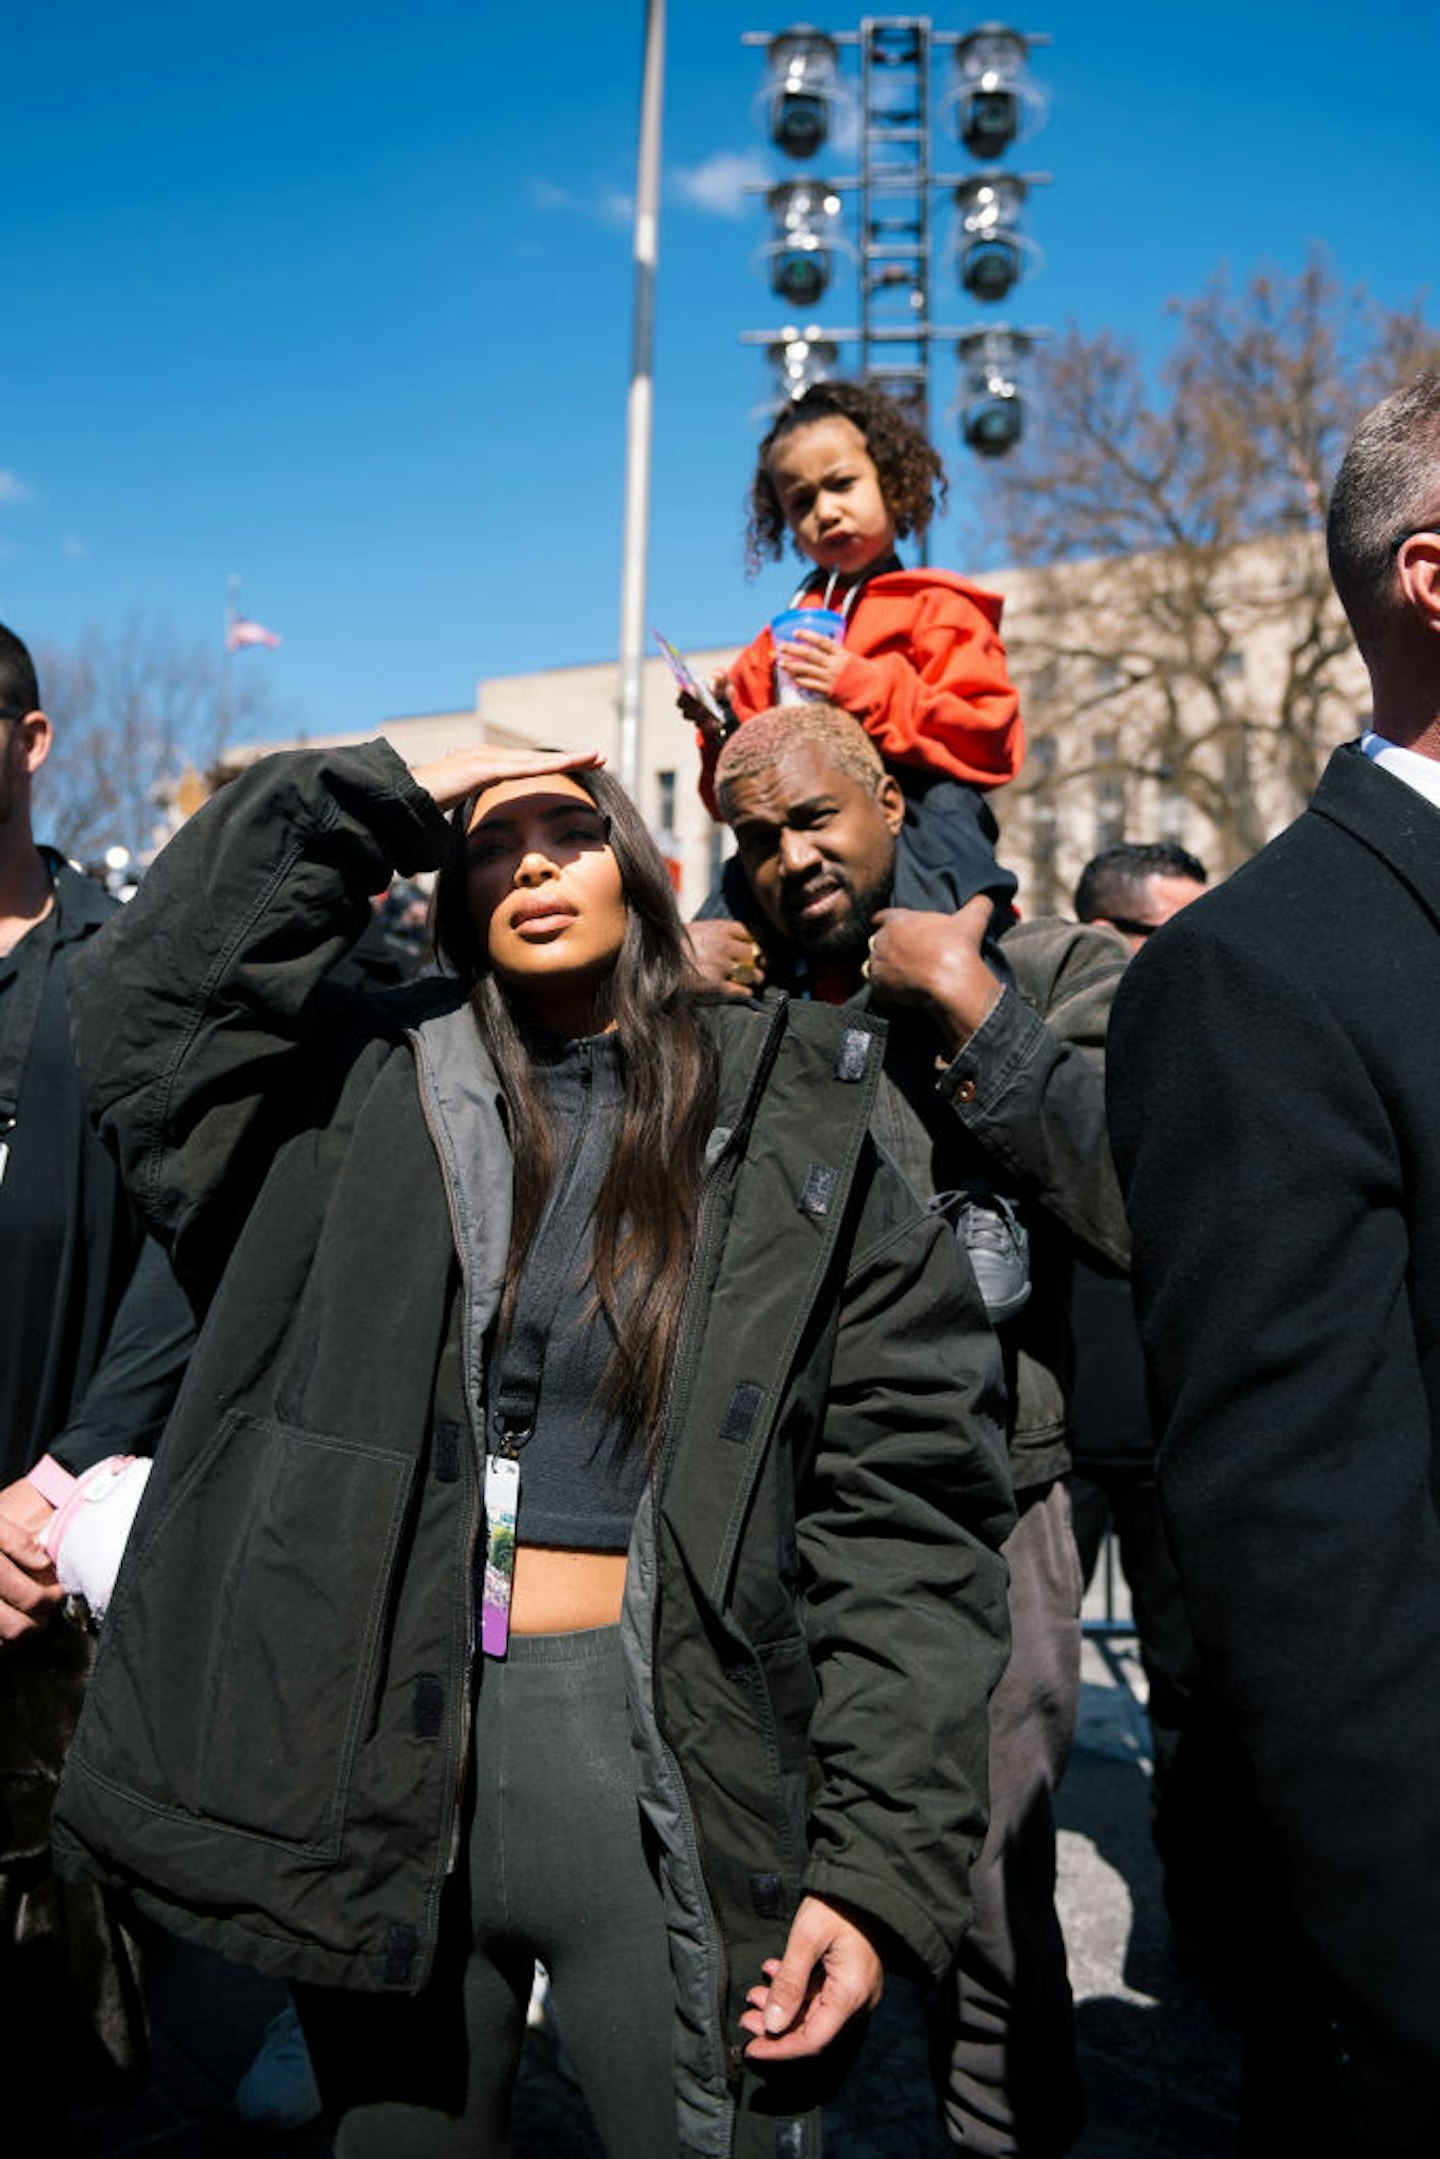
(812, 662)
(934, 960)
(829, 1971)
(29, 1592)
(726, 957)
(461, 773)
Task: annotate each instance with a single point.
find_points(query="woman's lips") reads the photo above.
(540, 917)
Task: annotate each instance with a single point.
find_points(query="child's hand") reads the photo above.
(813, 662)
(700, 715)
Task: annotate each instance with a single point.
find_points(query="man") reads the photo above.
(93, 1338)
(1274, 1109)
(1135, 887)
(1002, 1085)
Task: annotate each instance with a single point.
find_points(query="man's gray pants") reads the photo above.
(1005, 2034)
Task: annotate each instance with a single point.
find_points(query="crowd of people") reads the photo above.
(586, 1451)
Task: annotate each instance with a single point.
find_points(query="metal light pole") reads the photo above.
(641, 400)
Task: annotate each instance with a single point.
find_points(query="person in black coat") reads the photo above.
(1275, 1115)
(94, 1335)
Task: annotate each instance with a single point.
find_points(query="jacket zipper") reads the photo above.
(473, 1535)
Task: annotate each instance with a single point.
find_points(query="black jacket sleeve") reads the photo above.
(133, 1388)
(901, 1523)
(1029, 1084)
(201, 1015)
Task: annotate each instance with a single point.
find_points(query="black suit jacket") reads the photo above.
(1275, 1114)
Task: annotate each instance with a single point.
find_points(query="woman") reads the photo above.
(554, 1223)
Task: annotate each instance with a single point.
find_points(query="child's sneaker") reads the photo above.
(996, 1244)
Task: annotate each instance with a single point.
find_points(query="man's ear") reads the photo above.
(892, 804)
(35, 737)
(1417, 565)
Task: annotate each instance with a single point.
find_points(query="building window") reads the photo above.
(1044, 832)
(1109, 792)
(665, 801)
(1174, 817)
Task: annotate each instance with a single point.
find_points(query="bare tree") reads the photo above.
(1183, 634)
(132, 708)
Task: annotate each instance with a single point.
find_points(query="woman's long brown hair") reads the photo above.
(645, 1214)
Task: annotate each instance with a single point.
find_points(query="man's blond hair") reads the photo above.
(758, 746)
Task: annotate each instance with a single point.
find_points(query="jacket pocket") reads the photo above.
(258, 1606)
(790, 1693)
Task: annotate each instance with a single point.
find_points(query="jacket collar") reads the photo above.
(1387, 817)
(81, 905)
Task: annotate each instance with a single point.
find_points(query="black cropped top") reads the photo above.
(581, 1472)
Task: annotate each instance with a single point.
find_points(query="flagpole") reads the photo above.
(232, 614)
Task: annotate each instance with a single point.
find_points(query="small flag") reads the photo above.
(240, 633)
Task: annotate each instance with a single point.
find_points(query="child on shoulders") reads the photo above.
(919, 663)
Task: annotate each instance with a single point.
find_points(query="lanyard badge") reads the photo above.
(502, 1506)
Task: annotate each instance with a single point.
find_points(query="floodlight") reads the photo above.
(801, 80)
(992, 256)
(995, 423)
(806, 216)
(993, 89)
(801, 358)
(993, 416)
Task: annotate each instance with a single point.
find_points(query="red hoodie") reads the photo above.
(924, 675)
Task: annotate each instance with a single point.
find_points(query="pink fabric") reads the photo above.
(52, 1481)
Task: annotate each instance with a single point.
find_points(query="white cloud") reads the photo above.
(13, 488)
(73, 547)
(720, 186)
(603, 206)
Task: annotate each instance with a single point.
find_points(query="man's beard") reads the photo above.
(840, 937)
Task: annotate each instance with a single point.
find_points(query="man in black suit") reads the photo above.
(1275, 1114)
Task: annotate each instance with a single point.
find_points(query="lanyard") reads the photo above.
(515, 1388)
(851, 593)
(24, 1010)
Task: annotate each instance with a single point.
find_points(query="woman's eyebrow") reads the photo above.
(497, 824)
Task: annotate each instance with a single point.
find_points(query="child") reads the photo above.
(920, 666)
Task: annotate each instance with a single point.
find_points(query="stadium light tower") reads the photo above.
(990, 104)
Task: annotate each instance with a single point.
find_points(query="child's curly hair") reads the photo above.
(912, 478)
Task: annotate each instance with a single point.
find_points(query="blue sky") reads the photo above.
(339, 298)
